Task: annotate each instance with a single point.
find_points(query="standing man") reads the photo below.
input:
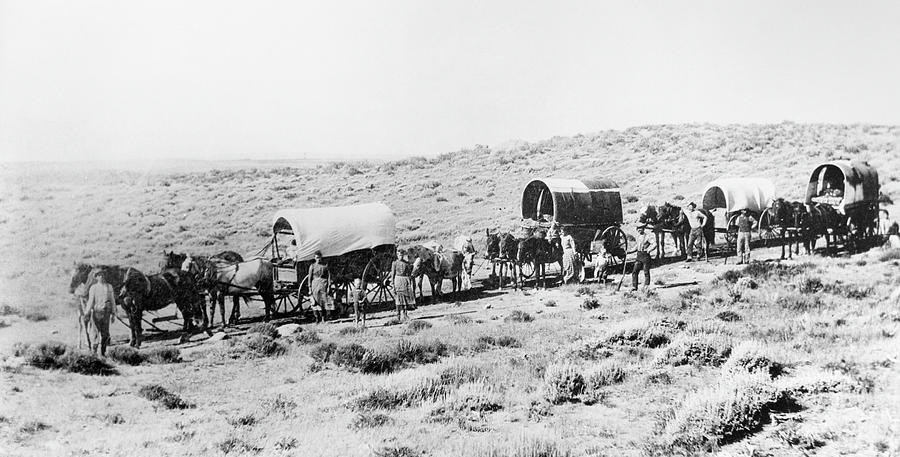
(745, 223)
(319, 282)
(101, 306)
(645, 245)
(696, 220)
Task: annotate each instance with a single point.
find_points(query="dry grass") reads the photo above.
(487, 379)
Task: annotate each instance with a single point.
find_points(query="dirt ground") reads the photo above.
(583, 369)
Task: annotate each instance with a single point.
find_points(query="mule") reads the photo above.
(501, 249)
(436, 266)
(141, 293)
(242, 279)
(537, 251)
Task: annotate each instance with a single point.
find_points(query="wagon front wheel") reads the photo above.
(376, 281)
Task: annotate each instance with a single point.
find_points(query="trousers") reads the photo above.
(696, 235)
(642, 263)
(743, 244)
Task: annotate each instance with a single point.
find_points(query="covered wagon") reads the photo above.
(852, 189)
(725, 198)
(589, 209)
(356, 242)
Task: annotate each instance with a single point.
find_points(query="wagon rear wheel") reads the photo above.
(376, 279)
(616, 244)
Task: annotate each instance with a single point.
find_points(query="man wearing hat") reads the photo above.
(645, 245)
(745, 223)
(696, 220)
(101, 306)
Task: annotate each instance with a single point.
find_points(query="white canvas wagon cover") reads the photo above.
(336, 230)
(734, 194)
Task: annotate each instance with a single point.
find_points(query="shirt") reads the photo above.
(646, 242)
(401, 268)
(101, 297)
(695, 218)
(318, 270)
(568, 243)
(745, 223)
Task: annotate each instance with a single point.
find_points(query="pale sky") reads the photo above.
(377, 79)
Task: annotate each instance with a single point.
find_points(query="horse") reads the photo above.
(82, 280)
(662, 220)
(173, 260)
(501, 248)
(673, 218)
(538, 251)
(221, 278)
(791, 219)
(822, 218)
(436, 265)
(154, 292)
(196, 267)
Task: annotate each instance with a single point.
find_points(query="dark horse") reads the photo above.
(502, 249)
(662, 220)
(154, 292)
(793, 224)
(197, 267)
(173, 260)
(242, 279)
(538, 251)
(437, 266)
(82, 280)
(822, 220)
(673, 218)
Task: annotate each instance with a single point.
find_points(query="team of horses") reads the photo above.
(187, 280)
(508, 254)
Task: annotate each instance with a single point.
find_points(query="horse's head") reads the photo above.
(171, 260)
(509, 246)
(491, 244)
(799, 214)
(80, 275)
(649, 215)
(669, 213)
(780, 211)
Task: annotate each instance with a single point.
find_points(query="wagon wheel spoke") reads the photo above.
(731, 232)
(616, 244)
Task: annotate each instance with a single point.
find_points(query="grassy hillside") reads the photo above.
(778, 358)
(52, 216)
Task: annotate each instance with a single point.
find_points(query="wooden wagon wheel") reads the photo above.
(376, 279)
(526, 269)
(731, 230)
(616, 244)
(766, 230)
